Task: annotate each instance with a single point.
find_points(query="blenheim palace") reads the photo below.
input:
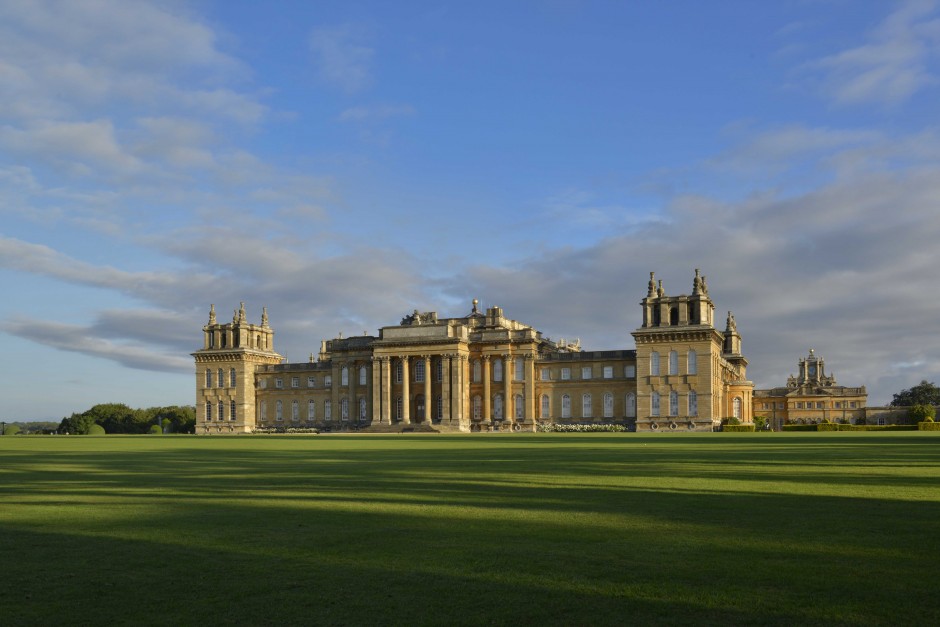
(487, 372)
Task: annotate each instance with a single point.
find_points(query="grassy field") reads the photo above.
(816, 528)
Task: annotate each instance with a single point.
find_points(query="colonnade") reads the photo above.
(455, 390)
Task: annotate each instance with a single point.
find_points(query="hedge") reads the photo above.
(737, 428)
(825, 426)
(928, 425)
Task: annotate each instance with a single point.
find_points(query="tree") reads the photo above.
(922, 413)
(924, 393)
(11, 429)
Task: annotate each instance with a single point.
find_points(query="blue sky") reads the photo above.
(344, 163)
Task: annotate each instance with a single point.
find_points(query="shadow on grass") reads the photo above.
(495, 532)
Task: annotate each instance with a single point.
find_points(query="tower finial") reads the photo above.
(651, 291)
(660, 291)
(264, 316)
(697, 284)
(241, 312)
(212, 319)
(731, 326)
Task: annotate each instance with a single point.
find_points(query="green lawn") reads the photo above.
(575, 529)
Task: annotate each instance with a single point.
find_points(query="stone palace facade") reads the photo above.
(479, 372)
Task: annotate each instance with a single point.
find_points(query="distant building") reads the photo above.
(811, 397)
(479, 372)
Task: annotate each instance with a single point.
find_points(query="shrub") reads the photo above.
(928, 425)
(760, 423)
(731, 427)
(922, 413)
(155, 430)
(95, 429)
(828, 426)
(11, 429)
(799, 427)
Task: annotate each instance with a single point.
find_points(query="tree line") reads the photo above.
(119, 418)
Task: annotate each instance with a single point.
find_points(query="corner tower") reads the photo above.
(225, 372)
(689, 375)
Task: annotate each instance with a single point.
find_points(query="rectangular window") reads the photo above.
(328, 381)
(654, 364)
(231, 412)
(586, 372)
(295, 382)
(264, 412)
(799, 405)
(208, 378)
(608, 372)
(519, 365)
(546, 374)
(779, 405)
(362, 375)
(565, 374)
(311, 382)
(311, 410)
(820, 405)
(279, 383)
(853, 404)
(654, 404)
(586, 409)
(881, 421)
(232, 377)
(629, 372)
(263, 383)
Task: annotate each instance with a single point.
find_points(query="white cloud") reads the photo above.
(893, 65)
(341, 57)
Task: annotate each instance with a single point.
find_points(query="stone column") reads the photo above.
(487, 415)
(353, 401)
(428, 404)
(405, 401)
(509, 414)
(447, 393)
(530, 400)
(386, 367)
(376, 389)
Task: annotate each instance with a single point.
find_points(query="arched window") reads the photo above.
(608, 405)
(498, 407)
(328, 410)
(519, 365)
(477, 371)
(654, 404)
(221, 410)
(654, 364)
(294, 411)
(693, 403)
(566, 406)
(279, 410)
(546, 407)
(208, 410)
(362, 409)
(673, 403)
(231, 377)
(221, 380)
(673, 362)
(311, 409)
(419, 371)
(692, 366)
(362, 375)
(231, 410)
(518, 407)
(631, 405)
(477, 407)
(208, 378)
(344, 408)
(344, 376)
(586, 410)
(736, 407)
(497, 370)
